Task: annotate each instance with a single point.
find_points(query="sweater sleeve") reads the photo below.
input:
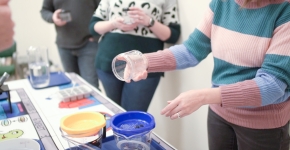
(176, 57)
(47, 10)
(101, 14)
(271, 84)
(170, 18)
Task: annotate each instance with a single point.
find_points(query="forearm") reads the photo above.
(211, 96)
(47, 15)
(103, 27)
(161, 31)
(47, 10)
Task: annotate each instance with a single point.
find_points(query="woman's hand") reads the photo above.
(184, 104)
(57, 21)
(139, 16)
(188, 102)
(138, 72)
(119, 23)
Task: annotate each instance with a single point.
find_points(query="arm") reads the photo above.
(271, 84)
(47, 10)
(6, 26)
(101, 24)
(189, 54)
(49, 14)
(168, 29)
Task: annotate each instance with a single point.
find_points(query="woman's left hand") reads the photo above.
(184, 104)
(139, 16)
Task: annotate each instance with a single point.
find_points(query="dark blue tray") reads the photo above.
(109, 143)
(3, 96)
(56, 79)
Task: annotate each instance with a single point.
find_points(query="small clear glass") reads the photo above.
(126, 66)
(38, 65)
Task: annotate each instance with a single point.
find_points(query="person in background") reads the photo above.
(127, 25)
(76, 46)
(6, 26)
(249, 102)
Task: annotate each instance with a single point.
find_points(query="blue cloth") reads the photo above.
(81, 61)
(130, 96)
(110, 144)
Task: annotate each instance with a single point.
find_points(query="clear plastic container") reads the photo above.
(132, 130)
(126, 66)
(38, 64)
(84, 142)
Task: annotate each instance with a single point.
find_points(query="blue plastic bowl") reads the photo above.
(132, 123)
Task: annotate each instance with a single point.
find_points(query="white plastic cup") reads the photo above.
(38, 64)
(126, 17)
(128, 20)
(127, 66)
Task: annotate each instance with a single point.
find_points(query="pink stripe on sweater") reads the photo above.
(267, 117)
(241, 94)
(205, 26)
(160, 61)
(243, 50)
(280, 44)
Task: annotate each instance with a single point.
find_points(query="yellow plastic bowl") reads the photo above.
(83, 124)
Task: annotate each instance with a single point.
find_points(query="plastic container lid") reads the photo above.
(132, 123)
(83, 123)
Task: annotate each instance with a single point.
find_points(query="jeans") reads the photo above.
(81, 61)
(130, 96)
(223, 135)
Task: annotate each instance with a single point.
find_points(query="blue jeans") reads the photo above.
(223, 135)
(130, 96)
(81, 61)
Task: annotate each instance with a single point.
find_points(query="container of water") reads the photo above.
(38, 65)
(132, 130)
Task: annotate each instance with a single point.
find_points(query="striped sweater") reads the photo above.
(251, 50)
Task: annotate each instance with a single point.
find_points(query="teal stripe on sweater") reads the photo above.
(230, 15)
(198, 44)
(227, 73)
(275, 65)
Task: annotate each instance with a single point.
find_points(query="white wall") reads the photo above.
(31, 30)
(189, 133)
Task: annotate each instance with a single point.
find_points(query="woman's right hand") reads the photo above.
(135, 68)
(57, 21)
(119, 24)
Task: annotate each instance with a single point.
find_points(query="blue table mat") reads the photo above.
(3, 96)
(56, 79)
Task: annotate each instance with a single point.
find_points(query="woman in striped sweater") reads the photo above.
(249, 99)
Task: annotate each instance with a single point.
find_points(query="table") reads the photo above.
(37, 112)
